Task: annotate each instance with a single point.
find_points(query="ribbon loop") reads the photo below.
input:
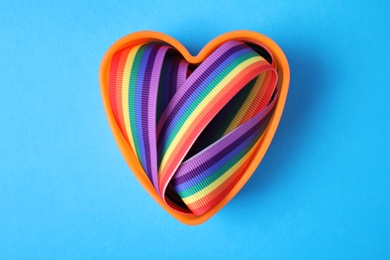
(193, 131)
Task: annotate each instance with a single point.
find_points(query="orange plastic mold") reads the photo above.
(262, 144)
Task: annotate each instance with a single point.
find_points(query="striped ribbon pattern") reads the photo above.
(192, 128)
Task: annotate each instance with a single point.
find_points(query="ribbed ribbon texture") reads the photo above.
(193, 127)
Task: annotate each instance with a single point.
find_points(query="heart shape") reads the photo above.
(194, 128)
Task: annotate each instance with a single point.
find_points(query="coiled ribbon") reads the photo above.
(193, 128)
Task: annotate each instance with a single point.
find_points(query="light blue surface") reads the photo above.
(321, 192)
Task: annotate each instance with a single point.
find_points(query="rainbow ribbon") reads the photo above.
(193, 128)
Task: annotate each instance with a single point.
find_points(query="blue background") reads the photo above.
(322, 190)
